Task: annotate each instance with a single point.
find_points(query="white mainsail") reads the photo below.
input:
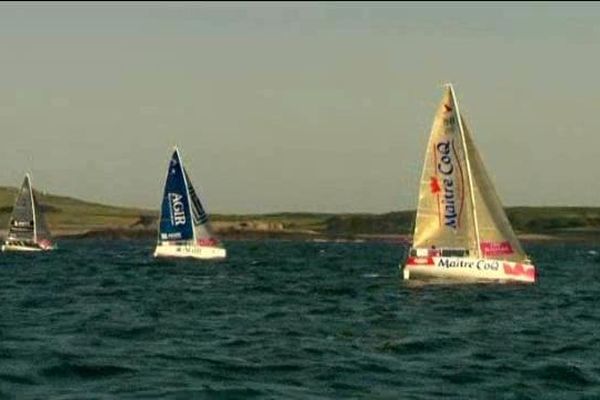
(458, 205)
(444, 213)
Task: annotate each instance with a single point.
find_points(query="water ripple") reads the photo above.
(292, 320)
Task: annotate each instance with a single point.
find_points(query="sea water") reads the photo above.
(292, 320)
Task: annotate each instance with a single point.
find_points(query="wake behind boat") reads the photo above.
(461, 230)
(184, 228)
(27, 230)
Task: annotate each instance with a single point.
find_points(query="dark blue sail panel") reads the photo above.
(200, 216)
(175, 217)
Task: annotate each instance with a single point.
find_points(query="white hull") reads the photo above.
(467, 269)
(17, 247)
(190, 251)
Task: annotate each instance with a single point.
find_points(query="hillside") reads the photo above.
(67, 216)
(524, 220)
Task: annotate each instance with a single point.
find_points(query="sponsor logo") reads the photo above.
(434, 184)
(177, 209)
(449, 120)
(449, 195)
(519, 270)
(22, 224)
(174, 235)
(496, 248)
(207, 242)
(486, 265)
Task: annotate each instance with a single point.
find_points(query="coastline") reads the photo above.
(588, 236)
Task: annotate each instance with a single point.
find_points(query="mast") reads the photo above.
(32, 207)
(468, 165)
(187, 193)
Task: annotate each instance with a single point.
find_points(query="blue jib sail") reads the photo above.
(200, 217)
(175, 217)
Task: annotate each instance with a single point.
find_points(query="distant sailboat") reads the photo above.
(461, 229)
(27, 229)
(184, 229)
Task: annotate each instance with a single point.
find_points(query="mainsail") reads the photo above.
(444, 214)
(22, 219)
(175, 217)
(458, 205)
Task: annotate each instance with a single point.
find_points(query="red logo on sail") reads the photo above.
(448, 108)
(434, 184)
(496, 248)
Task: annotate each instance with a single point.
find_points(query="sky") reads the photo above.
(317, 107)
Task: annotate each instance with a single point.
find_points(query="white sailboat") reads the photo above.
(27, 229)
(461, 229)
(184, 229)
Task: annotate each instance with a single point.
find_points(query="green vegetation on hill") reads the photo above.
(549, 219)
(66, 215)
(545, 220)
(289, 220)
(399, 222)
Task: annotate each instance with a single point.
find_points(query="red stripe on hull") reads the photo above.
(420, 261)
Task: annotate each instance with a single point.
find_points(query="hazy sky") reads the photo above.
(296, 106)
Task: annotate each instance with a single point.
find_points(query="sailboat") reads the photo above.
(184, 228)
(27, 229)
(461, 230)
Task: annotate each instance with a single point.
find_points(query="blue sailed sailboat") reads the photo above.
(184, 229)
